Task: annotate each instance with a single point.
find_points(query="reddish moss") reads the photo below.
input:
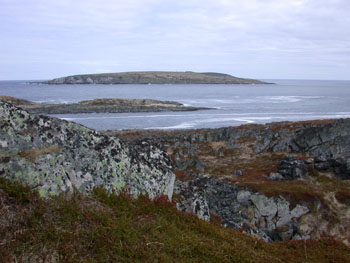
(110, 228)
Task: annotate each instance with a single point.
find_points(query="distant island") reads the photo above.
(154, 77)
(111, 105)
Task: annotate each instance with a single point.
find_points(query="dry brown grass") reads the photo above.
(214, 145)
(122, 229)
(32, 154)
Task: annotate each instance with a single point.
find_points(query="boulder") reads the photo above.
(292, 169)
(238, 173)
(340, 167)
(53, 155)
(192, 200)
(265, 206)
(276, 177)
(299, 211)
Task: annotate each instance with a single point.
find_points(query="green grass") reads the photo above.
(104, 227)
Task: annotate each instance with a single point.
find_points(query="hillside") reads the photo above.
(108, 228)
(264, 193)
(154, 77)
(268, 174)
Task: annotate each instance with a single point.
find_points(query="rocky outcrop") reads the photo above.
(269, 218)
(111, 105)
(154, 77)
(340, 167)
(326, 142)
(329, 140)
(53, 155)
(289, 169)
(296, 165)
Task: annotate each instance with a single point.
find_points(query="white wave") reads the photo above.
(52, 101)
(184, 125)
(213, 120)
(342, 113)
(224, 101)
(288, 99)
(128, 117)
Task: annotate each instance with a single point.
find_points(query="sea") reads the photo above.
(232, 105)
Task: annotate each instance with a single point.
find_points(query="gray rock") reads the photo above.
(264, 205)
(238, 173)
(292, 169)
(193, 200)
(283, 213)
(238, 207)
(299, 211)
(243, 197)
(340, 167)
(53, 155)
(300, 237)
(276, 177)
(330, 140)
(231, 144)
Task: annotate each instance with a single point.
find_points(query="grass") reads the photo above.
(104, 227)
(32, 154)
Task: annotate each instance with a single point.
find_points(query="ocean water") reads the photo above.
(232, 105)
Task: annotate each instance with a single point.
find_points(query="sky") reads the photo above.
(264, 39)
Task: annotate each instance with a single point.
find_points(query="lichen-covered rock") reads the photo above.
(340, 167)
(53, 155)
(275, 177)
(292, 169)
(330, 140)
(268, 218)
(193, 199)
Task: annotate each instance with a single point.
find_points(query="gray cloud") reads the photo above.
(251, 38)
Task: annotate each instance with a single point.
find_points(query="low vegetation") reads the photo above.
(105, 227)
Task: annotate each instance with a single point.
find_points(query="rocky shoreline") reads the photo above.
(111, 105)
(277, 182)
(154, 77)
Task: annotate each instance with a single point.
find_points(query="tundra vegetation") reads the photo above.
(256, 193)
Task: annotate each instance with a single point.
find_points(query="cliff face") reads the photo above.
(154, 77)
(53, 155)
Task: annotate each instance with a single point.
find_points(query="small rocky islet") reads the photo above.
(276, 182)
(108, 105)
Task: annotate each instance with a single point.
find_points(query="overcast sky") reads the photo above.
(266, 39)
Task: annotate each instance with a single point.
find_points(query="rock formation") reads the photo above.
(53, 155)
(269, 218)
(277, 181)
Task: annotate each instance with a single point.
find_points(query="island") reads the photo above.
(110, 105)
(154, 77)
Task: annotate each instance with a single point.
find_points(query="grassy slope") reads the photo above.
(107, 228)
